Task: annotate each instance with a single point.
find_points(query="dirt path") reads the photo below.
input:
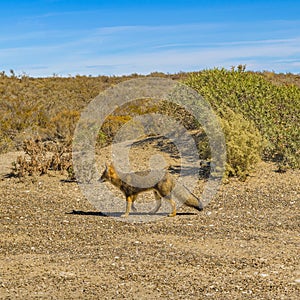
(244, 245)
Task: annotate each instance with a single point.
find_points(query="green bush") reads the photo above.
(244, 144)
(274, 109)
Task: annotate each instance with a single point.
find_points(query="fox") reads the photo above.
(164, 188)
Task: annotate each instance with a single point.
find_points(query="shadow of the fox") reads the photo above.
(118, 214)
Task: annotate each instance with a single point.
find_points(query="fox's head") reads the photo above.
(108, 174)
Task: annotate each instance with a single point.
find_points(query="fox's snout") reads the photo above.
(104, 176)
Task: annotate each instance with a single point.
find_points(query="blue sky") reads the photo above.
(46, 37)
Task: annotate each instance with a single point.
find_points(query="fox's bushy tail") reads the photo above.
(187, 197)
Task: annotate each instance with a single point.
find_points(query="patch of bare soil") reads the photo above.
(243, 245)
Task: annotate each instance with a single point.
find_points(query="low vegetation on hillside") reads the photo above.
(259, 113)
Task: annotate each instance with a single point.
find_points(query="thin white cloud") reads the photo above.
(144, 49)
(175, 61)
(226, 44)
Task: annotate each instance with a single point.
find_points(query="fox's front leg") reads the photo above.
(128, 206)
(173, 205)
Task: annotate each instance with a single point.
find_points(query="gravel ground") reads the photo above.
(244, 245)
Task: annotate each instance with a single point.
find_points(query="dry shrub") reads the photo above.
(110, 127)
(180, 114)
(41, 157)
(125, 114)
(63, 124)
(6, 143)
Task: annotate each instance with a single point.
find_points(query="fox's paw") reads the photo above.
(124, 215)
(200, 207)
(173, 214)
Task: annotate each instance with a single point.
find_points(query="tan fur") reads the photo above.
(164, 188)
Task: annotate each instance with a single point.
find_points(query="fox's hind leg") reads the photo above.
(158, 203)
(173, 204)
(132, 205)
